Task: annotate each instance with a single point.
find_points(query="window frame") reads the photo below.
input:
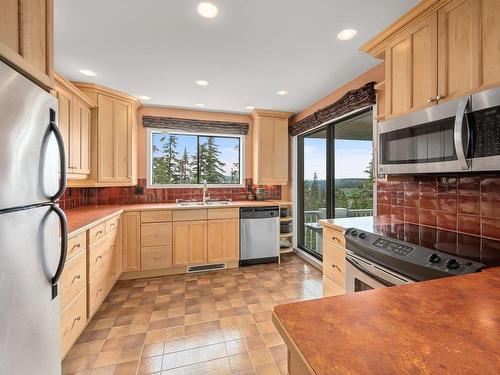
(149, 157)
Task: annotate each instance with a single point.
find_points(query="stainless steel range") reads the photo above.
(375, 261)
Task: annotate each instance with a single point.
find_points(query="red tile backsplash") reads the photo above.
(77, 197)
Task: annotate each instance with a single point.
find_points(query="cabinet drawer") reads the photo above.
(224, 213)
(73, 321)
(74, 278)
(100, 257)
(334, 263)
(97, 232)
(330, 288)
(156, 234)
(97, 290)
(333, 236)
(112, 224)
(190, 215)
(155, 216)
(155, 257)
(76, 244)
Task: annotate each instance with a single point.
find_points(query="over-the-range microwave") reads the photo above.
(461, 135)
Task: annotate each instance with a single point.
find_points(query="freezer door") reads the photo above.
(29, 153)
(29, 316)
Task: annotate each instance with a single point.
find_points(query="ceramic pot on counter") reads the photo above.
(261, 194)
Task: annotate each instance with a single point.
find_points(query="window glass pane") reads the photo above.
(174, 159)
(219, 160)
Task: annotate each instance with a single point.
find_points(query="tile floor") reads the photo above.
(207, 323)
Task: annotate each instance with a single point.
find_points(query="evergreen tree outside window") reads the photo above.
(189, 159)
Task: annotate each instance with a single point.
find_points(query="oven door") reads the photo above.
(362, 274)
(485, 125)
(432, 140)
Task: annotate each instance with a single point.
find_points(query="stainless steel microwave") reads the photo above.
(462, 135)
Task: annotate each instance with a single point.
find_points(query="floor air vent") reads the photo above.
(207, 267)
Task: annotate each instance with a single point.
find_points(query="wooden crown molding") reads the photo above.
(107, 91)
(67, 85)
(267, 112)
(376, 46)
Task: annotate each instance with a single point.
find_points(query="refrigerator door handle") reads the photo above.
(64, 247)
(62, 156)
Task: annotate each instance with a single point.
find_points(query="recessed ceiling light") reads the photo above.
(201, 83)
(207, 10)
(282, 92)
(250, 107)
(200, 105)
(144, 97)
(88, 73)
(347, 34)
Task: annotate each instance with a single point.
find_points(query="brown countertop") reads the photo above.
(444, 326)
(80, 219)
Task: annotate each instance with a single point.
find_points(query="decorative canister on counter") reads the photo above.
(261, 194)
(250, 196)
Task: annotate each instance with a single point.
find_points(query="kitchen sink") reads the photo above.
(216, 202)
(190, 203)
(200, 203)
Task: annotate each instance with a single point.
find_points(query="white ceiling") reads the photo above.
(252, 49)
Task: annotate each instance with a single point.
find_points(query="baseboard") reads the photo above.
(309, 259)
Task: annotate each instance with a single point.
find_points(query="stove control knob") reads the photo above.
(362, 235)
(452, 264)
(434, 258)
(354, 232)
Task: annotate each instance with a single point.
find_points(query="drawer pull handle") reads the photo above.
(98, 233)
(99, 290)
(77, 246)
(112, 225)
(78, 318)
(99, 257)
(335, 238)
(335, 266)
(76, 277)
(157, 258)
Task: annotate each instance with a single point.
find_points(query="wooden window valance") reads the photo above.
(351, 101)
(195, 126)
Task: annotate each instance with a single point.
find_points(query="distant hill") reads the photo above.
(342, 183)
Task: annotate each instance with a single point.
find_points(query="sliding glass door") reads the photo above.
(335, 176)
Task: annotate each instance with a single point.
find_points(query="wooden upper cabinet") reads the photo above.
(458, 60)
(26, 38)
(411, 68)
(270, 147)
(439, 50)
(223, 240)
(74, 121)
(114, 137)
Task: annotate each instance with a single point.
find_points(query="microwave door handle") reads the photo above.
(359, 267)
(461, 144)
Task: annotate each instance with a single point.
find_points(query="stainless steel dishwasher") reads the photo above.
(259, 235)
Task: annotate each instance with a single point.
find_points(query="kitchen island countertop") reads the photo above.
(443, 326)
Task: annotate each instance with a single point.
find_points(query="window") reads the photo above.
(190, 159)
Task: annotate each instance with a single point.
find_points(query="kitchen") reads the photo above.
(226, 215)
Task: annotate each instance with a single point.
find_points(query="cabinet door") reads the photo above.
(131, 243)
(411, 68)
(181, 243)
(490, 43)
(197, 242)
(106, 141)
(75, 135)
(84, 139)
(122, 140)
(64, 120)
(266, 148)
(458, 62)
(280, 155)
(223, 240)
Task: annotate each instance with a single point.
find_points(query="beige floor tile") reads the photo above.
(240, 362)
(261, 357)
(192, 356)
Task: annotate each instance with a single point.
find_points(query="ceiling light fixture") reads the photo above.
(88, 73)
(347, 34)
(282, 92)
(250, 107)
(144, 97)
(201, 83)
(207, 10)
(200, 105)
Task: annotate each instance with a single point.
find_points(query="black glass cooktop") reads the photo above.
(478, 249)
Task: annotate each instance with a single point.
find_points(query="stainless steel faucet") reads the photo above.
(206, 194)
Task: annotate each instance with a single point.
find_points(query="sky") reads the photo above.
(226, 147)
(351, 158)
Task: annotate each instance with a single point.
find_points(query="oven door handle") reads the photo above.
(461, 144)
(361, 268)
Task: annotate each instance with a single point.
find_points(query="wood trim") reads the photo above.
(376, 46)
(107, 91)
(270, 113)
(67, 85)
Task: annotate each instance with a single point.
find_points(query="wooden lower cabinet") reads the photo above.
(73, 279)
(223, 240)
(73, 321)
(190, 243)
(330, 288)
(156, 257)
(131, 241)
(333, 262)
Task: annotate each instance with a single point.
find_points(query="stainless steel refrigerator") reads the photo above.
(33, 229)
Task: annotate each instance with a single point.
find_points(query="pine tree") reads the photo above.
(235, 170)
(170, 156)
(184, 168)
(211, 168)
